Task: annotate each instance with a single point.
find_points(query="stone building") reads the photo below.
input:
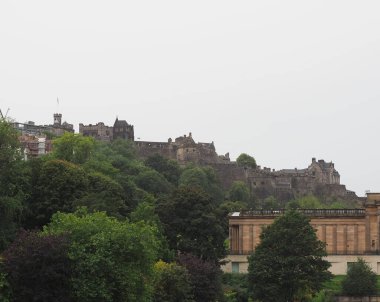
(320, 178)
(348, 234)
(57, 128)
(121, 129)
(183, 149)
(33, 146)
(98, 131)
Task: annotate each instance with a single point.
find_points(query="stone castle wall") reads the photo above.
(320, 178)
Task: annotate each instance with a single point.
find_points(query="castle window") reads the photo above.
(262, 183)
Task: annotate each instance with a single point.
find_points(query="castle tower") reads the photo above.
(57, 119)
(121, 129)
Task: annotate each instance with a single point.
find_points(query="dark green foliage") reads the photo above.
(171, 283)
(246, 160)
(145, 212)
(112, 260)
(167, 167)
(5, 288)
(192, 223)
(11, 183)
(205, 277)
(153, 182)
(288, 263)
(360, 280)
(235, 287)
(271, 203)
(203, 178)
(124, 148)
(233, 206)
(239, 191)
(313, 202)
(307, 202)
(132, 194)
(74, 148)
(103, 194)
(38, 268)
(59, 184)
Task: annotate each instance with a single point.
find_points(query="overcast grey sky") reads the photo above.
(284, 81)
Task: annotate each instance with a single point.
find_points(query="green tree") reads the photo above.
(11, 191)
(271, 203)
(38, 268)
(103, 194)
(205, 278)
(171, 283)
(74, 148)
(233, 206)
(153, 182)
(239, 191)
(203, 178)
(112, 260)
(360, 280)
(246, 160)
(192, 223)
(59, 184)
(124, 148)
(145, 212)
(5, 289)
(306, 202)
(288, 263)
(170, 169)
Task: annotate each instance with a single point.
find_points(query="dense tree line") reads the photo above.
(93, 222)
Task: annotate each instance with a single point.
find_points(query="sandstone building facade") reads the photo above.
(348, 234)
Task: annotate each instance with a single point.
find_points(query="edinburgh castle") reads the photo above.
(319, 178)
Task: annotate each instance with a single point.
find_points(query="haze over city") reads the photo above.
(281, 81)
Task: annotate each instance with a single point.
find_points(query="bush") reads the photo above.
(360, 280)
(38, 268)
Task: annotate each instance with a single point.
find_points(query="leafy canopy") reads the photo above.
(192, 223)
(288, 263)
(360, 280)
(239, 191)
(246, 160)
(171, 283)
(205, 277)
(11, 190)
(38, 266)
(112, 260)
(170, 169)
(72, 147)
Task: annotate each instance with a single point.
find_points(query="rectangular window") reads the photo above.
(235, 267)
